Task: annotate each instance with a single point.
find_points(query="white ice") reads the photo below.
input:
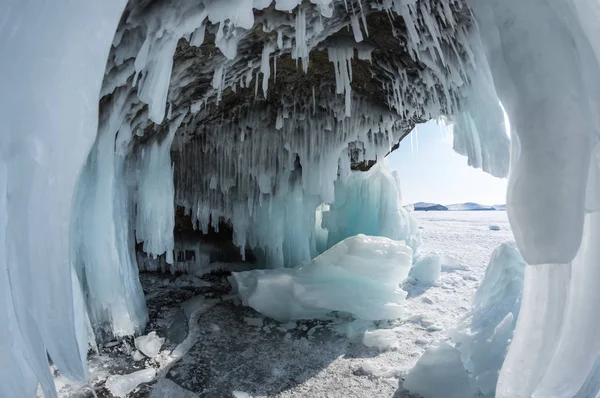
(546, 72)
(359, 276)
(121, 385)
(427, 269)
(380, 339)
(149, 344)
(49, 113)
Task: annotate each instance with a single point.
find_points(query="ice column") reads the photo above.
(546, 74)
(155, 211)
(50, 76)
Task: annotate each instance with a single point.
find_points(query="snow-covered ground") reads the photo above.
(227, 347)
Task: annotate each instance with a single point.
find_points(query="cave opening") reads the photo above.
(127, 124)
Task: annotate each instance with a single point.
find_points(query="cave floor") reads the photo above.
(217, 348)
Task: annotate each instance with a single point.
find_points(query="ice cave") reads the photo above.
(192, 190)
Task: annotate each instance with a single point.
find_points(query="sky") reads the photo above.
(430, 171)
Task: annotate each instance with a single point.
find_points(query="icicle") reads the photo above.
(300, 50)
(358, 37)
(265, 66)
(198, 36)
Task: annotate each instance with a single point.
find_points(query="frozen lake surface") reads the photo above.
(229, 347)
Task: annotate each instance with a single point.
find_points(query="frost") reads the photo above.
(359, 276)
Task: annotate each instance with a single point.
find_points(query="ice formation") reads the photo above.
(149, 344)
(181, 117)
(370, 203)
(121, 385)
(359, 276)
(551, 97)
(427, 269)
(49, 108)
(469, 363)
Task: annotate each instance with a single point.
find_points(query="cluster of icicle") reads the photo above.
(267, 180)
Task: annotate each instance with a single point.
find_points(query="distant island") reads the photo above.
(468, 206)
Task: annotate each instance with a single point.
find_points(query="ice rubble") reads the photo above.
(469, 363)
(359, 276)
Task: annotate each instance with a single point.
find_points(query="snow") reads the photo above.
(149, 344)
(360, 276)
(427, 269)
(381, 339)
(121, 385)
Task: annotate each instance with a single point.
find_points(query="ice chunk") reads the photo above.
(494, 228)
(359, 275)
(439, 373)
(137, 356)
(149, 344)
(427, 269)
(381, 339)
(240, 394)
(121, 385)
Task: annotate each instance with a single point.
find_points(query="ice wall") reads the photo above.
(54, 54)
(370, 203)
(544, 60)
